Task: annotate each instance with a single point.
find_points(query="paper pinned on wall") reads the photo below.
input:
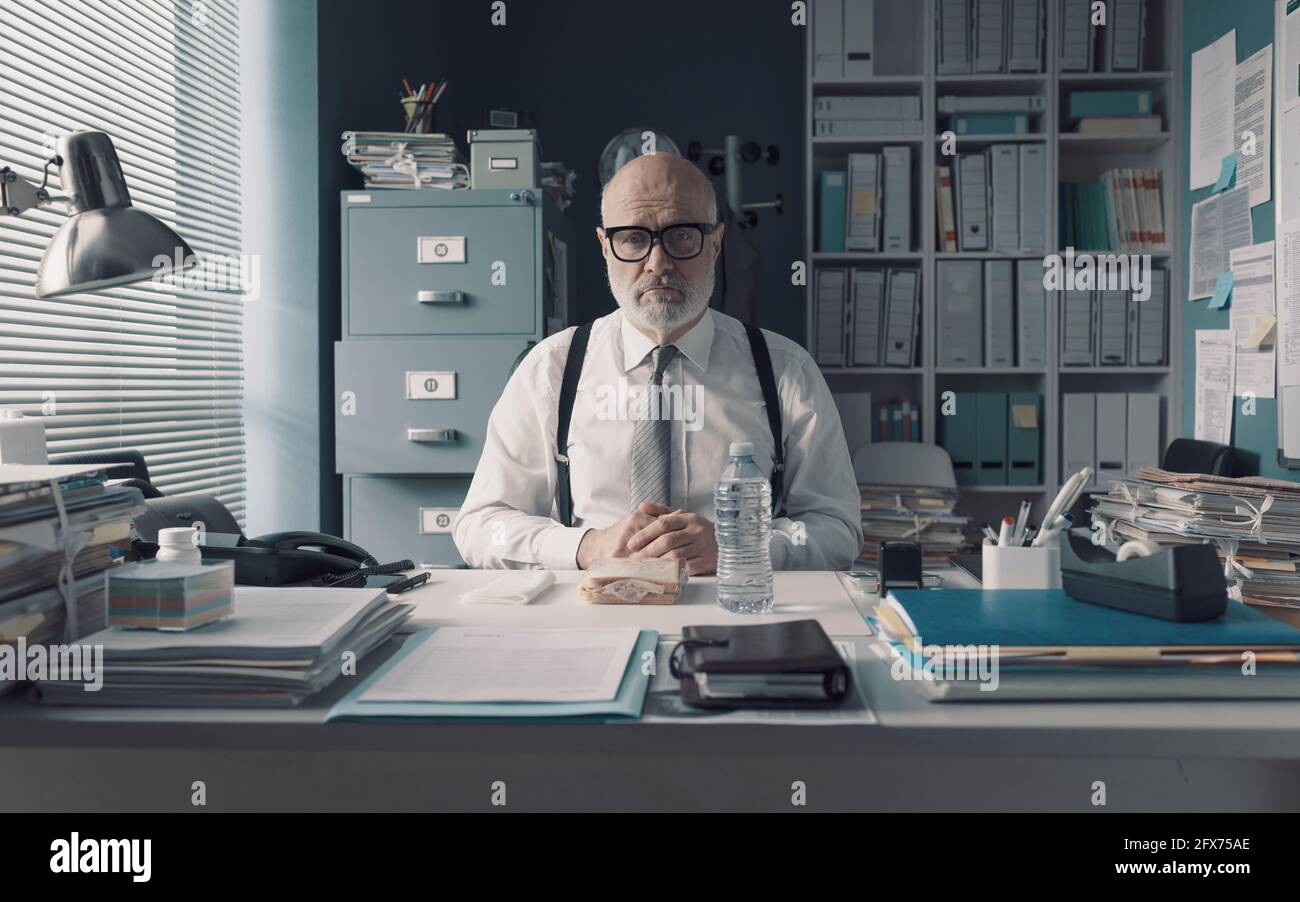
(1214, 69)
(1216, 351)
(1288, 31)
(1252, 305)
(1220, 224)
(1252, 117)
(1287, 267)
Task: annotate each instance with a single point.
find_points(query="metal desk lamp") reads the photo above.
(106, 242)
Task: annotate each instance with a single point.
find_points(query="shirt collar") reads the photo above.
(694, 345)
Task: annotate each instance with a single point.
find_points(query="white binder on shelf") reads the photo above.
(954, 37)
(1078, 433)
(990, 29)
(1076, 327)
(1004, 166)
(868, 314)
(859, 38)
(898, 198)
(1148, 321)
(828, 39)
(972, 201)
(1076, 36)
(1025, 36)
(1031, 315)
(1143, 437)
(862, 232)
(959, 304)
(1112, 437)
(1125, 33)
(1032, 198)
(999, 314)
(1112, 332)
(832, 297)
(902, 316)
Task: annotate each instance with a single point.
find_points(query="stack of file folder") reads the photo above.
(281, 646)
(406, 160)
(1254, 522)
(1121, 211)
(32, 542)
(1032, 644)
(912, 513)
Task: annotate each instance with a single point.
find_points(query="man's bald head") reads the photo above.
(658, 181)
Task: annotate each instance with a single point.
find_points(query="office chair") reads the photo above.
(1189, 455)
(904, 463)
(123, 463)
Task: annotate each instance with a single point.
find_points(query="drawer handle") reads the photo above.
(431, 436)
(440, 297)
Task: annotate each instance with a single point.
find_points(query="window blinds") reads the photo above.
(156, 366)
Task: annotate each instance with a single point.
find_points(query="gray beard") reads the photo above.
(664, 316)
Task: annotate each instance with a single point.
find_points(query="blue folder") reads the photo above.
(1020, 618)
(626, 705)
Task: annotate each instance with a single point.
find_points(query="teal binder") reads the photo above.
(834, 198)
(1109, 103)
(957, 433)
(626, 705)
(991, 439)
(1024, 441)
(1048, 618)
(991, 124)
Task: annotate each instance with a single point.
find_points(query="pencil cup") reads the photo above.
(419, 112)
(1021, 567)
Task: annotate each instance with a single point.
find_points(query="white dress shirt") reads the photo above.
(509, 518)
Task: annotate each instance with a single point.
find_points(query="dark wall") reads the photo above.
(589, 69)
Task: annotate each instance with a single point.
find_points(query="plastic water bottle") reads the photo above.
(742, 506)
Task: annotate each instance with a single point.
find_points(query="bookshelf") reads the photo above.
(1070, 158)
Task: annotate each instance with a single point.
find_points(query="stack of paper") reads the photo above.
(511, 674)
(406, 160)
(1032, 644)
(281, 646)
(912, 513)
(32, 543)
(1254, 523)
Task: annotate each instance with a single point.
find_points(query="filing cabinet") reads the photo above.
(442, 292)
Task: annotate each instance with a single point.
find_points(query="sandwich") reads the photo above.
(634, 581)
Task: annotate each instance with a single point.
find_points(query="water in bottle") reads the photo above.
(742, 522)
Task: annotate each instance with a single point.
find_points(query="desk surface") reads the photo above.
(907, 728)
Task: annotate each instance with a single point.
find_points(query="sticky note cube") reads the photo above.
(166, 595)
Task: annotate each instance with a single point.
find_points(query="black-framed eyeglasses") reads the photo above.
(681, 241)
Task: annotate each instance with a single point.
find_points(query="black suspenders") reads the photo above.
(569, 391)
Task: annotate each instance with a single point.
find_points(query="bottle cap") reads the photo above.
(179, 536)
(742, 449)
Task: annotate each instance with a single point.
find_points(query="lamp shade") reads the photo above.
(105, 242)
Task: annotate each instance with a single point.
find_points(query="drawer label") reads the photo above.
(440, 249)
(431, 386)
(436, 521)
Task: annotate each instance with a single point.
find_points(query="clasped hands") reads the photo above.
(655, 530)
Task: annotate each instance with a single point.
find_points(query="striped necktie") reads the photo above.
(652, 438)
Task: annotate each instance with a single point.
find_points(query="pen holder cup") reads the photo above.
(1021, 567)
(419, 111)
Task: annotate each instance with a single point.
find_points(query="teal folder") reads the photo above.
(957, 433)
(1109, 103)
(991, 124)
(1037, 618)
(834, 198)
(624, 706)
(991, 439)
(1024, 442)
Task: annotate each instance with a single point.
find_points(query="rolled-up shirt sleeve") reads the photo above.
(507, 520)
(822, 526)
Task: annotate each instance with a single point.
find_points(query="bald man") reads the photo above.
(657, 392)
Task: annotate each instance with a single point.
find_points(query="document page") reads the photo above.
(1216, 352)
(1214, 71)
(1220, 224)
(1251, 316)
(475, 664)
(1254, 114)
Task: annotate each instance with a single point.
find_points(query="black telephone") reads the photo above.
(277, 559)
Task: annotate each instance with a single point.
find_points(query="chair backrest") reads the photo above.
(904, 463)
(1189, 455)
(123, 463)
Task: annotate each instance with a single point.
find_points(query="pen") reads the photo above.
(407, 85)
(1018, 534)
(1066, 492)
(1030, 531)
(1004, 534)
(989, 533)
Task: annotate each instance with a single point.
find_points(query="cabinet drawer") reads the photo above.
(417, 407)
(396, 517)
(441, 271)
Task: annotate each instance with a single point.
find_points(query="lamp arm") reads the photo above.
(17, 195)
